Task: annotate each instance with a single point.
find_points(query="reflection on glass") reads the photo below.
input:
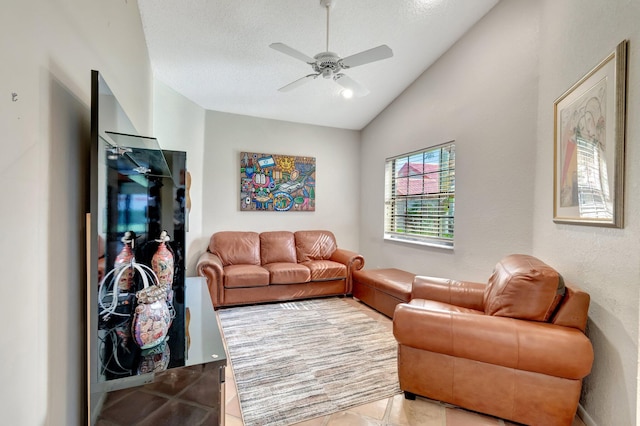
(142, 204)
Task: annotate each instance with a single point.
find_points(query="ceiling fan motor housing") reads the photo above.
(327, 63)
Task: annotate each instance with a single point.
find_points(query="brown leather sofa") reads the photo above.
(248, 267)
(514, 348)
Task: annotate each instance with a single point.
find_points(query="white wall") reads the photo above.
(337, 176)
(179, 124)
(576, 36)
(48, 49)
(493, 92)
(482, 94)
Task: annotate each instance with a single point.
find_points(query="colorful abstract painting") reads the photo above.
(273, 182)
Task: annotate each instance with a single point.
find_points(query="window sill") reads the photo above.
(418, 242)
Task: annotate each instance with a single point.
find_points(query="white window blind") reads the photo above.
(420, 196)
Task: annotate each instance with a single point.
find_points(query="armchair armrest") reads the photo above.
(352, 260)
(465, 294)
(519, 344)
(210, 266)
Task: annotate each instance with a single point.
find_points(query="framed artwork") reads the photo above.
(589, 139)
(281, 183)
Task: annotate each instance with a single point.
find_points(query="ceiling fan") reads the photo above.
(329, 65)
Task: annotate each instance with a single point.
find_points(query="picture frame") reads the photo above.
(589, 144)
(277, 183)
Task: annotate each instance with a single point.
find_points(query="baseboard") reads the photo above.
(585, 417)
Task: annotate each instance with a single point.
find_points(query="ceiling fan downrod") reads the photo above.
(327, 29)
(327, 4)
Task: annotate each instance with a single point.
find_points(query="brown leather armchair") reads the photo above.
(514, 348)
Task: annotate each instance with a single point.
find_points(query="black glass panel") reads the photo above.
(144, 205)
(138, 188)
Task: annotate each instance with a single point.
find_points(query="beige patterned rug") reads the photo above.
(300, 360)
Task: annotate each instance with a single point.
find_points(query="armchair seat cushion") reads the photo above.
(443, 307)
(238, 276)
(288, 273)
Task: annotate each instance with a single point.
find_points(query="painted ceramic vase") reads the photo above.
(151, 323)
(162, 262)
(124, 260)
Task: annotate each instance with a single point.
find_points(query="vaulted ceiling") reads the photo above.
(216, 52)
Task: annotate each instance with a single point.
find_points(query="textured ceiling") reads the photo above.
(216, 52)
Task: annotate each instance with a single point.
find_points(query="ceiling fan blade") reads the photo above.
(283, 48)
(348, 83)
(299, 82)
(371, 55)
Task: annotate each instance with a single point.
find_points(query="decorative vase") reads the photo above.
(124, 259)
(151, 322)
(152, 317)
(162, 262)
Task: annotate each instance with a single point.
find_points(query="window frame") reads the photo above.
(435, 209)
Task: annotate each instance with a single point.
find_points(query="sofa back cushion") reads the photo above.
(524, 287)
(236, 248)
(277, 246)
(314, 245)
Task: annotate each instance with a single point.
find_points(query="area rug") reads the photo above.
(300, 360)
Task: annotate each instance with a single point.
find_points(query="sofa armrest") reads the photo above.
(513, 343)
(210, 266)
(465, 294)
(352, 260)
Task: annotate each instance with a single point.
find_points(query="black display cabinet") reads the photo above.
(138, 188)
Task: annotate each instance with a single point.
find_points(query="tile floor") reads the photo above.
(395, 411)
(183, 397)
(177, 397)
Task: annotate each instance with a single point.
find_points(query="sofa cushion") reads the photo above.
(314, 245)
(236, 276)
(524, 287)
(277, 247)
(236, 248)
(288, 273)
(324, 270)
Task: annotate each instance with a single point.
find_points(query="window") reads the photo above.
(420, 196)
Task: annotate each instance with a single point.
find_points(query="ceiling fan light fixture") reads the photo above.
(346, 93)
